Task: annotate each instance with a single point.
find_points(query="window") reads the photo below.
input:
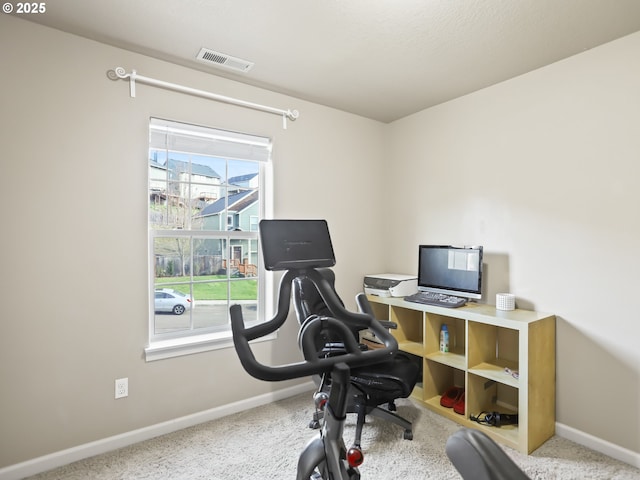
(206, 197)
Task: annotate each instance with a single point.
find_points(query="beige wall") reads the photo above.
(542, 170)
(74, 249)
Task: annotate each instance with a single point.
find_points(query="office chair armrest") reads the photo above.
(357, 320)
(388, 324)
(365, 307)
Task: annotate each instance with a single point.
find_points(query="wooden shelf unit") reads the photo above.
(484, 342)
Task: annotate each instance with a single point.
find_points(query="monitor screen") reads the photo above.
(293, 244)
(451, 270)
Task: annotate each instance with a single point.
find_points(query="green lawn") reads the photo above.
(215, 287)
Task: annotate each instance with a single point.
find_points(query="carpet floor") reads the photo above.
(264, 443)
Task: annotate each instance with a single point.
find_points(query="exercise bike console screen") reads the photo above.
(295, 244)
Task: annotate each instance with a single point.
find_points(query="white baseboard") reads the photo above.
(64, 457)
(594, 443)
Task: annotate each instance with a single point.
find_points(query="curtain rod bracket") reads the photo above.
(132, 84)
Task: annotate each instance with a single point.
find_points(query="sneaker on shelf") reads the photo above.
(451, 396)
(459, 405)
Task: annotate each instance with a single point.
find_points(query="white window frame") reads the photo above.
(184, 344)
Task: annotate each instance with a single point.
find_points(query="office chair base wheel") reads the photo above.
(408, 435)
(315, 424)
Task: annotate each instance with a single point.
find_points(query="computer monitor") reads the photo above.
(452, 270)
(295, 244)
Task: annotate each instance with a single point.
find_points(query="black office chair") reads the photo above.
(477, 457)
(372, 385)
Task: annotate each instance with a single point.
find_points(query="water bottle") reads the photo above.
(444, 339)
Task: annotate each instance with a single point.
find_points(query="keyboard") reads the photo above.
(438, 299)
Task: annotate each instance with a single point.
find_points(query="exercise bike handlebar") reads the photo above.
(314, 364)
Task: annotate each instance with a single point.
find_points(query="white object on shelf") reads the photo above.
(505, 301)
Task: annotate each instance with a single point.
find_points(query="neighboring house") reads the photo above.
(171, 181)
(203, 180)
(249, 180)
(241, 213)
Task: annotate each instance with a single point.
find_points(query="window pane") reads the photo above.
(243, 174)
(212, 215)
(173, 305)
(242, 206)
(209, 259)
(212, 310)
(172, 257)
(207, 175)
(243, 257)
(245, 293)
(212, 170)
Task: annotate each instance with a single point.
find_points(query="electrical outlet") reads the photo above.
(122, 387)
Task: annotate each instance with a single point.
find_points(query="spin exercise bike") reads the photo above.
(299, 247)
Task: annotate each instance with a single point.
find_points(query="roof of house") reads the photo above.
(237, 202)
(196, 168)
(242, 178)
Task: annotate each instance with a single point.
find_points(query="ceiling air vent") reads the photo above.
(223, 60)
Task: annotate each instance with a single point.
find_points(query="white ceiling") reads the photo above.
(382, 59)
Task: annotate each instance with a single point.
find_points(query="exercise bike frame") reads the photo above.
(326, 454)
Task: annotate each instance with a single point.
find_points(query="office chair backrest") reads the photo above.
(308, 301)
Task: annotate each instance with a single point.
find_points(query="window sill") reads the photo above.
(176, 347)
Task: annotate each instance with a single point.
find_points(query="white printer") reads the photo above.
(390, 285)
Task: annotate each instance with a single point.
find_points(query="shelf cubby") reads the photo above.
(486, 395)
(410, 332)
(438, 378)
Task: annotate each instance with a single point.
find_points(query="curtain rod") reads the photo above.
(120, 73)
